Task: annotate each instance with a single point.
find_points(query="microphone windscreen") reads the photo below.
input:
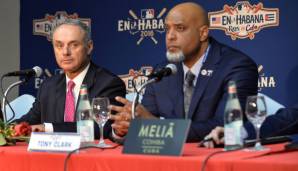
(173, 68)
(38, 71)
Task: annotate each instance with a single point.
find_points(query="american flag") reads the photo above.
(39, 27)
(215, 20)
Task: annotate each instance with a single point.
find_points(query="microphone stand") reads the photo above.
(136, 97)
(5, 95)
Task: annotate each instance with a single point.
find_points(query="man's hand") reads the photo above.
(123, 116)
(216, 135)
(38, 128)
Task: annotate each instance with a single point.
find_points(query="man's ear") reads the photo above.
(89, 47)
(204, 32)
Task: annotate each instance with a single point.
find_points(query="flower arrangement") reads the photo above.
(11, 133)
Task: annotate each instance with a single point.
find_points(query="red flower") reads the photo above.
(22, 129)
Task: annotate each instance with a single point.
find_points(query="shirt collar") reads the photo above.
(78, 80)
(196, 68)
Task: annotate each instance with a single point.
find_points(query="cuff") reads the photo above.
(115, 136)
(48, 127)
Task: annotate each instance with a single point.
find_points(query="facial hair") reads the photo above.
(175, 57)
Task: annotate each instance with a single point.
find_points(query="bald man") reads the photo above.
(199, 89)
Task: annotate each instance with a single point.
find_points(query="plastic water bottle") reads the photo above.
(233, 120)
(85, 123)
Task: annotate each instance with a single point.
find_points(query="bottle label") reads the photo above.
(83, 91)
(232, 90)
(232, 132)
(86, 130)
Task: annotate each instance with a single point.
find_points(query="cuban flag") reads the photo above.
(269, 17)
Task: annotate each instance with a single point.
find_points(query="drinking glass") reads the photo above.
(256, 112)
(101, 115)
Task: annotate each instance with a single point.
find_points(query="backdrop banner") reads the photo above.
(129, 37)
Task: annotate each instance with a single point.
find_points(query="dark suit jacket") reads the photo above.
(50, 100)
(283, 122)
(165, 98)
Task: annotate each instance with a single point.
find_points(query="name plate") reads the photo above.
(54, 142)
(156, 136)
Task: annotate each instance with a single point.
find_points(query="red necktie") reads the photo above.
(69, 103)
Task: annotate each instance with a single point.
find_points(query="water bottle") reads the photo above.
(233, 120)
(85, 124)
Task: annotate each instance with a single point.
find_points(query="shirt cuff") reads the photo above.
(48, 127)
(115, 136)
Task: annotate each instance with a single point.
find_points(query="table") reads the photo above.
(14, 158)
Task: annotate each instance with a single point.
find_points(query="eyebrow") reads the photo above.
(73, 41)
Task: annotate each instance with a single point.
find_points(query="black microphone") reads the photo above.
(35, 71)
(163, 72)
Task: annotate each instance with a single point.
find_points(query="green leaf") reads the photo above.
(2, 140)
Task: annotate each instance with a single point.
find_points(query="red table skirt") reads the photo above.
(17, 158)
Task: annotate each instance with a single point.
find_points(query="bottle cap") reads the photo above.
(232, 87)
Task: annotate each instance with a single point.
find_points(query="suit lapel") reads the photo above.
(176, 85)
(207, 70)
(89, 80)
(60, 99)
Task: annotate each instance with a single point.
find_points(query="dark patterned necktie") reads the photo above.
(188, 90)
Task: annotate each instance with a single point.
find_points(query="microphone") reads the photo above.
(48, 73)
(168, 70)
(35, 71)
(153, 77)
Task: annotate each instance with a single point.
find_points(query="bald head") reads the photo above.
(186, 33)
(191, 11)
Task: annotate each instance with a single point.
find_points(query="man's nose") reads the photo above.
(171, 35)
(66, 50)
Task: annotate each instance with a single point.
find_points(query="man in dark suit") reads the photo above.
(283, 122)
(210, 64)
(72, 46)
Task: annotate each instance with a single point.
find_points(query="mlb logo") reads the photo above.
(147, 13)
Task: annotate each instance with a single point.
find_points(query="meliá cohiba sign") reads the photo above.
(156, 136)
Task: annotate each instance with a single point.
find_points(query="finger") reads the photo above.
(123, 116)
(120, 132)
(116, 108)
(122, 100)
(120, 129)
(209, 144)
(36, 129)
(217, 135)
(116, 117)
(121, 125)
(126, 116)
(214, 136)
(222, 141)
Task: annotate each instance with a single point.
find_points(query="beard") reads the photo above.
(175, 57)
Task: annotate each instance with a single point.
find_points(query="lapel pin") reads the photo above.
(205, 72)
